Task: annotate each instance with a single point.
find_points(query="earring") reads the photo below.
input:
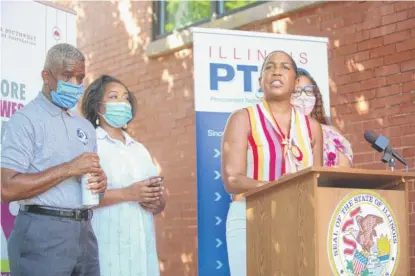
(125, 126)
(257, 92)
(97, 121)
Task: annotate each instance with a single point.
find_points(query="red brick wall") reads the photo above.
(372, 81)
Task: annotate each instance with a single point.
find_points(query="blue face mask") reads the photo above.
(66, 95)
(118, 114)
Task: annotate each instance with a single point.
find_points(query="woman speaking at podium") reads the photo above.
(263, 142)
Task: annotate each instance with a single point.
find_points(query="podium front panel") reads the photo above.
(330, 222)
(281, 235)
(362, 232)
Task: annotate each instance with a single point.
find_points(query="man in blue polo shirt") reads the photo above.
(46, 148)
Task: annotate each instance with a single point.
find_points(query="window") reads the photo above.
(170, 15)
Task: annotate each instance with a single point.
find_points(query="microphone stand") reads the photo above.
(392, 164)
(388, 158)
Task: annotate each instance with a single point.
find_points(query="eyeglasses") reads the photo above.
(308, 90)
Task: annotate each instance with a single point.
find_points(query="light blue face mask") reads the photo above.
(118, 114)
(67, 95)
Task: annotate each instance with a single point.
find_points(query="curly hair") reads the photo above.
(93, 97)
(59, 52)
(318, 110)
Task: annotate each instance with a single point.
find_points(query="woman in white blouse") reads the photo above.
(123, 223)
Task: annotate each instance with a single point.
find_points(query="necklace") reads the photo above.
(284, 139)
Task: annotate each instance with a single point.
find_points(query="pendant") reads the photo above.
(296, 152)
(285, 141)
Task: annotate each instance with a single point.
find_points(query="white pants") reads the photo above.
(236, 237)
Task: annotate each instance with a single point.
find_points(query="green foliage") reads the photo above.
(181, 13)
(236, 4)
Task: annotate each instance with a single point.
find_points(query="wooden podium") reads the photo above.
(329, 221)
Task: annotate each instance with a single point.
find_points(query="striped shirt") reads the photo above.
(268, 157)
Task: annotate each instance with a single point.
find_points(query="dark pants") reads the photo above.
(42, 245)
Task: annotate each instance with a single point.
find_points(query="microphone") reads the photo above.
(381, 144)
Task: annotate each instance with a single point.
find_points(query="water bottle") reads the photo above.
(89, 199)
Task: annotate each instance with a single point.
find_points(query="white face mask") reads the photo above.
(304, 103)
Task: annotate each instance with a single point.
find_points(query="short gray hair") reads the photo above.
(60, 52)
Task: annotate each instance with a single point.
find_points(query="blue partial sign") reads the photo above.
(212, 199)
(217, 70)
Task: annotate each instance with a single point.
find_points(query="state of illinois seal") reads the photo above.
(363, 236)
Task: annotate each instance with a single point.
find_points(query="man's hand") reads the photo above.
(84, 164)
(97, 183)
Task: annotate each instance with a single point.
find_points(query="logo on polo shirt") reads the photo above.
(82, 136)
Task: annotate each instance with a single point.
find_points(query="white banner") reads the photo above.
(227, 65)
(226, 70)
(28, 30)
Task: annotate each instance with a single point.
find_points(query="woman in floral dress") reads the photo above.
(337, 151)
